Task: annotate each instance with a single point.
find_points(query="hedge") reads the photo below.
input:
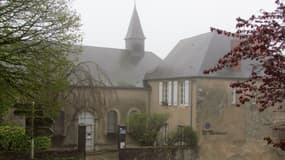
(13, 138)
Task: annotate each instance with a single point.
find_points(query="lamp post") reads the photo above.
(32, 132)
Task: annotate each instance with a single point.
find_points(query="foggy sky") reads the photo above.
(164, 22)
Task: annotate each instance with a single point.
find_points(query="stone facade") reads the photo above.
(178, 114)
(124, 101)
(229, 132)
(119, 91)
(225, 132)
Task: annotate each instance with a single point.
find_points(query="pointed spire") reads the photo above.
(135, 29)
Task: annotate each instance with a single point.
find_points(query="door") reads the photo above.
(87, 119)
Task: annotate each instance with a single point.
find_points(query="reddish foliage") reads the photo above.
(262, 40)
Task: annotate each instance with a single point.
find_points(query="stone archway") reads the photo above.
(133, 111)
(88, 120)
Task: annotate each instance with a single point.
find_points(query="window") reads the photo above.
(184, 88)
(169, 92)
(182, 92)
(234, 96)
(160, 92)
(112, 122)
(174, 93)
(165, 93)
(187, 85)
(131, 113)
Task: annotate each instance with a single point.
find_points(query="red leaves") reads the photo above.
(279, 144)
(262, 40)
(268, 139)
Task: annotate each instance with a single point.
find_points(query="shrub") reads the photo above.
(144, 128)
(14, 139)
(42, 143)
(187, 137)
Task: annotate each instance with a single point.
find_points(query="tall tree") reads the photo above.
(36, 37)
(262, 40)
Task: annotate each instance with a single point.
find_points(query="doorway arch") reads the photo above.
(88, 120)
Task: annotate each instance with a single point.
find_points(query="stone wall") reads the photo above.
(157, 153)
(178, 114)
(227, 132)
(121, 100)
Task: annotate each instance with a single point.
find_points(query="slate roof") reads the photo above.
(121, 67)
(135, 29)
(191, 56)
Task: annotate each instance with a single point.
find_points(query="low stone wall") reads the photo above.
(155, 153)
(43, 155)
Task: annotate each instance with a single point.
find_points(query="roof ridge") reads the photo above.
(195, 36)
(103, 47)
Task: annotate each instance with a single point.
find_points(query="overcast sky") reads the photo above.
(164, 22)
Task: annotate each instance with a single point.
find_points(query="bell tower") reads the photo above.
(135, 37)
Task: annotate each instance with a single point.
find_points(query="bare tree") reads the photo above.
(90, 90)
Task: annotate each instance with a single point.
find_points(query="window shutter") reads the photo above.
(160, 92)
(169, 94)
(175, 91)
(186, 90)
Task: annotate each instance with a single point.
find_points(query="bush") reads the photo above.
(42, 143)
(144, 129)
(14, 139)
(187, 137)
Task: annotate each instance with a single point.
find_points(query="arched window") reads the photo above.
(112, 122)
(133, 112)
(85, 118)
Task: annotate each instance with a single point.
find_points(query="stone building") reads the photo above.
(122, 92)
(139, 81)
(208, 103)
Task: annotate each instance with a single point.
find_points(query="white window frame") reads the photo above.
(163, 92)
(175, 93)
(184, 92)
(181, 93)
(160, 92)
(187, 92)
